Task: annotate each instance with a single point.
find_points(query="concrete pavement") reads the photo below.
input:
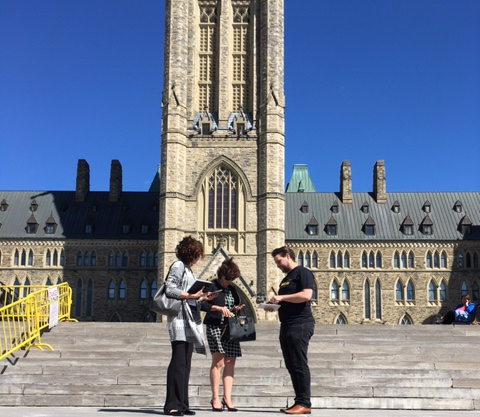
(260, 412)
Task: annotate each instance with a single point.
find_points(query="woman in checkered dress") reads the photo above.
(224, 354)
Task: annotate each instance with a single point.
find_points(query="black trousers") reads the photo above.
(294, 340)
(178, 375)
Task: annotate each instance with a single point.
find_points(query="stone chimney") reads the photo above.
(379, 183)
(83, 181)
(115, 181)
(346, 182)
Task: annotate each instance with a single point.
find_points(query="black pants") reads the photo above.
(294, 340)
(449, 318)
(178, 375)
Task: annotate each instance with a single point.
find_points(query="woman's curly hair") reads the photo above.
(189, 250)
(228, 270)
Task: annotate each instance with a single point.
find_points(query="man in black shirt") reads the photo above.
(297, 325)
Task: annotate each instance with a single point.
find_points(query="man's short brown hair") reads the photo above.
(282, 251)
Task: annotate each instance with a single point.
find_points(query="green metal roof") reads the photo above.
(300, 181)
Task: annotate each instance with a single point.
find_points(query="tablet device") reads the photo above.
(197, 286)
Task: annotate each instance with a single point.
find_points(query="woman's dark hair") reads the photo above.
(228, 270)
(189, 250)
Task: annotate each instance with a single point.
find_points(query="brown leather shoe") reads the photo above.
(288, 408)
(298, 409)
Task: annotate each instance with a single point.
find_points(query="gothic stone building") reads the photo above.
(377, 257)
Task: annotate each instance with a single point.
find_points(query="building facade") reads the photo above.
(377, 257)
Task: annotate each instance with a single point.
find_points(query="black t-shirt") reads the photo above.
(298, 279)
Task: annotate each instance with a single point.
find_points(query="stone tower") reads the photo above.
(222, 135)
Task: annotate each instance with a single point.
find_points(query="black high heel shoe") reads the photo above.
(214, 408)
(225, 405)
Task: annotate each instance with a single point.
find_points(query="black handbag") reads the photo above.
(238, 329)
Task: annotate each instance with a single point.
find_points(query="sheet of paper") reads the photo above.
(275, 307)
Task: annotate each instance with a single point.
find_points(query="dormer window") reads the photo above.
(32, 225)
(51, 225)
(407, 226)
(334, 208)
(3, 205)
(124, 207)
(465, 225)
(331, 227)
(457, 207)
(304, 207)
(369, 227)
(396, 207)
(427, 207)
(144, 229)
(88, 229)
(33, 206)
(426, 226)
(365, 208)
(94, 207)
(126, 229)
(312, 227)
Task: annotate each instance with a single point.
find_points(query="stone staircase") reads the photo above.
(353, 367)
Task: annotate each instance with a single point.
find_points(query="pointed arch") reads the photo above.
(378, 300)
(346, 260)
(143, 290)
(307, 259)
(411, 260)
(332, 259)
(464, 288)
(300, 258)
(432, 291)
(442, 291)
(366, 300)
(443, 260)
(111, 290)
(48, 258)
(334, 290)
(364, 259)
(345, 296)
(341, 319)
(153, 288)
(314, 259)
(399, 296)
(339, 259)
(122, 290)
(116, 318)
(406, 320)
(410, 288)
(428, 260)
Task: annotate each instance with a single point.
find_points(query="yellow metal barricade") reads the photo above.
(25, 312)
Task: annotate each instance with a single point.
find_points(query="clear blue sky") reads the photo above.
(397, 80)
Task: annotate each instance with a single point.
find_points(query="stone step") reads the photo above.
(360, 367)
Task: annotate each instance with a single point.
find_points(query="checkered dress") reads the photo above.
(214, 335)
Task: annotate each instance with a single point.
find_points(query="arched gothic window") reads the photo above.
(366, 295)
(334, 291)
(222, 199)
(378, 300)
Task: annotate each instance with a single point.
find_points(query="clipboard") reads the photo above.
(197, 286)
